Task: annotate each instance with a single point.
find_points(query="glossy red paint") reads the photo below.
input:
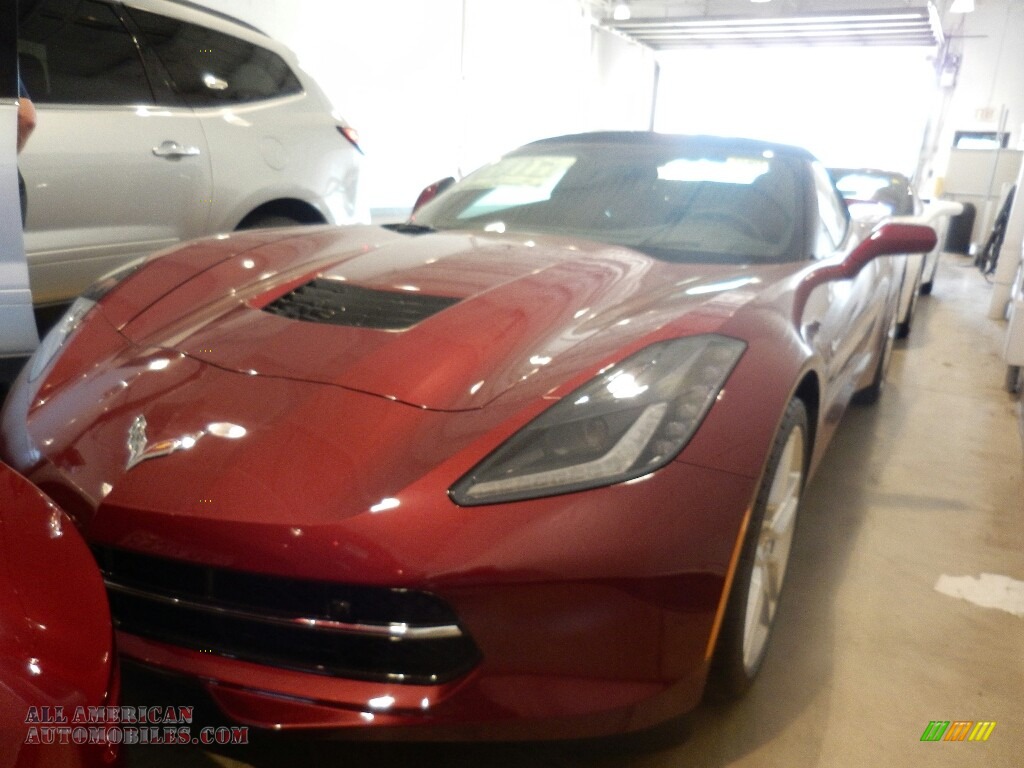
(880, 242)
(306, 451)
(524, 301)
(55, 629)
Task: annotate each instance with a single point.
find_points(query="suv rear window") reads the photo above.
(210, 68)
(79, 52)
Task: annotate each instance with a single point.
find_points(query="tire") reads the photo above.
(1013, 379)
(761, 570)
(873, 391)
(270, 221)
(903, 326)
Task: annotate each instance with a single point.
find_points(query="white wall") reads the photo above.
(438, 88)
(990, 42)
(428, 106)
(850, 106)
(989, 90)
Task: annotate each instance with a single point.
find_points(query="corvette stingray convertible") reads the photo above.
(526, 465)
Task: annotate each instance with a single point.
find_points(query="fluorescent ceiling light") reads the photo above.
(904, 27)
(787, 21)
(962, 6)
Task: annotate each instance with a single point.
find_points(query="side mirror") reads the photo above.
(429, 193)
(890, 239)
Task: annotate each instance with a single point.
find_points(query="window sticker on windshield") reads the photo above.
(730, 170)
(538, 171)
(514, 181)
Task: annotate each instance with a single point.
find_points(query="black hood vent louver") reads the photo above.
(338, 303)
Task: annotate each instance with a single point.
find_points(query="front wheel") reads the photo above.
(904, 323)
(761, 570)
(1013, 379)
(269, 221)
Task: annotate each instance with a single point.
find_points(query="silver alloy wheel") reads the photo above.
(773, 544)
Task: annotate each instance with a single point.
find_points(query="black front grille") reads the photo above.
(340, 303)
(366, 633)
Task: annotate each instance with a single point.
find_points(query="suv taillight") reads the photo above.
(352, 135)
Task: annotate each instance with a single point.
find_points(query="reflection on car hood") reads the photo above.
(445, 321)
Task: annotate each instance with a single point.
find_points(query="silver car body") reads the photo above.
(16, 318)
(18, 336)
(873, 195)
(937, 214)
(108, 183)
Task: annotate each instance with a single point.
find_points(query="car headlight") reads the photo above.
(55, 339)
(627, 422)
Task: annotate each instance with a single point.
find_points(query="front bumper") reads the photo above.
(585, 614)
(576, 661)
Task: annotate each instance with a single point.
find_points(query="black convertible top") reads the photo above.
(653, 138)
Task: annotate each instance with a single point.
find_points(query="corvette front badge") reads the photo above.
(139, 449)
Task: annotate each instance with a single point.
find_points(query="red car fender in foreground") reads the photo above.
(56, 646)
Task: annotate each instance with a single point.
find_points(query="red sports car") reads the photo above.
(55, 636)
(527, 465)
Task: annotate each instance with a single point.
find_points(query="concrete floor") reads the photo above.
(929, 482)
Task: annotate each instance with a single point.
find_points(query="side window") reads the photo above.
(79, 52)
(833, 218)
(210, 68)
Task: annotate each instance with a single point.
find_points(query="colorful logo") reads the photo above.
(958, 730)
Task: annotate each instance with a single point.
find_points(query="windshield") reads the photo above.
(887, 189)
(673, 202)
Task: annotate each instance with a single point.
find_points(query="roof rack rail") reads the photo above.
(220, 15)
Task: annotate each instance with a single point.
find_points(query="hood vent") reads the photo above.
(338, 303)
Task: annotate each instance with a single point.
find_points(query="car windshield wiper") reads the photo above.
(409, 228)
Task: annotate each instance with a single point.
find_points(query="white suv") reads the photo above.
(160, 121)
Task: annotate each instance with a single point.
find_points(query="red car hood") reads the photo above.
(465, 317)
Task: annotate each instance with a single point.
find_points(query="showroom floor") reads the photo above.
(927, 484)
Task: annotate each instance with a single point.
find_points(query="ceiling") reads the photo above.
(673, 24)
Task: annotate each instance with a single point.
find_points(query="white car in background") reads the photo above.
(160, 121)
(873, 195)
